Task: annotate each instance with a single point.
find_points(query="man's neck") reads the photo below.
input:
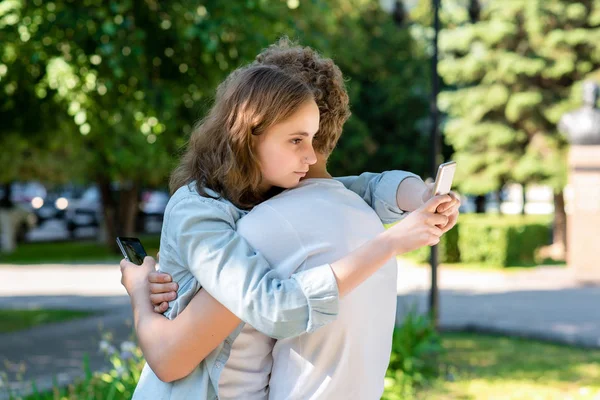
(319, 169)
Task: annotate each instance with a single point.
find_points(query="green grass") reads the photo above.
(490, 367)
(473, 367)
(16, 320)
(72, 251)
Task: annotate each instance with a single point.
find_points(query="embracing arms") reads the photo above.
(174, 348)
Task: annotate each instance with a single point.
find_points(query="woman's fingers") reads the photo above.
(126, 264)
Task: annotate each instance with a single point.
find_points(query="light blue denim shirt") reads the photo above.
(200, 248)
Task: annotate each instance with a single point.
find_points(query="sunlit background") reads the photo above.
(97, 99)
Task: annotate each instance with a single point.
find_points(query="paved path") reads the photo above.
(546, 303)
(57, 350)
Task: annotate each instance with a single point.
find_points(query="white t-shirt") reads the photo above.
(318, 222)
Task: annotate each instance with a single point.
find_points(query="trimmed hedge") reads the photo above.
(491, 239)
(448, 250)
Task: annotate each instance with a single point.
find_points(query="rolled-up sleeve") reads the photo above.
(320, 288)
(379, 192)
(241, 279)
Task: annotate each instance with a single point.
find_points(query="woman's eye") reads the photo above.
(296, 141)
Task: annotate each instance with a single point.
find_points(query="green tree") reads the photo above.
(514, 74)
(116, 85)
(388, 82)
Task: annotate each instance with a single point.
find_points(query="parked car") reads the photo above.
(84, 211)
(23, 195)
(24, 220)
(153, 203)
(54, 205)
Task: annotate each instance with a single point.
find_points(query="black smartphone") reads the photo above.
(132, 249)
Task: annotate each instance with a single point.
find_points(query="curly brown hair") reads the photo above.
(323, 77)
(220, 154)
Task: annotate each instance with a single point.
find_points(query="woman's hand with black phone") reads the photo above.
(132, 249)
(135, 277)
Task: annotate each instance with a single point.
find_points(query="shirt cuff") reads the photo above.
(321, 291)
(387, 188)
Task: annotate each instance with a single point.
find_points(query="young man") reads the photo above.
(317, 223)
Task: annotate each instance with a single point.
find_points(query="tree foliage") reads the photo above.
(125, 80)
(514, 74)
(107, 91)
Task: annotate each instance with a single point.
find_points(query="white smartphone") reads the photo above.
(443, 180)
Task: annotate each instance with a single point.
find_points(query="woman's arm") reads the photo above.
(173, 348)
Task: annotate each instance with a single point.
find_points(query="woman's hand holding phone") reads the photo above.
(135, 277)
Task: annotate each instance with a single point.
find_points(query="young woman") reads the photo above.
(257, 137)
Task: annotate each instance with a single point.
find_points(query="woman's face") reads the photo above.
(285, 150)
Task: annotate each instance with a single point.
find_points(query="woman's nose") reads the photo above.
(310, 157)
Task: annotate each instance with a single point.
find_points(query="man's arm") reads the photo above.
(391, 194)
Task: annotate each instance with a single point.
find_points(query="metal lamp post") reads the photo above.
(399, 14)
(435, 152)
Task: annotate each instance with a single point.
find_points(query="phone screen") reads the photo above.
(132, 249)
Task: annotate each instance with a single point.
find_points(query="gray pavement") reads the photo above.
(545, 303)
(56, 351)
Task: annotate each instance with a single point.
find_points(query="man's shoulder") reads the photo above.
(268, 228)
(278, 211)
(294, 201)
(262, 215)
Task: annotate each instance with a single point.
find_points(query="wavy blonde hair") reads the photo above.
(220, 154)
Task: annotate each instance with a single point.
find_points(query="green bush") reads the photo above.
(491, 239)
(501, 241)
(447, 249)
(118, 383)
(414, 358)
(413, 363)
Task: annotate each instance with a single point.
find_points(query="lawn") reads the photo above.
(473, 367)
(72, 251)
(489, 367)
(16, 320)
